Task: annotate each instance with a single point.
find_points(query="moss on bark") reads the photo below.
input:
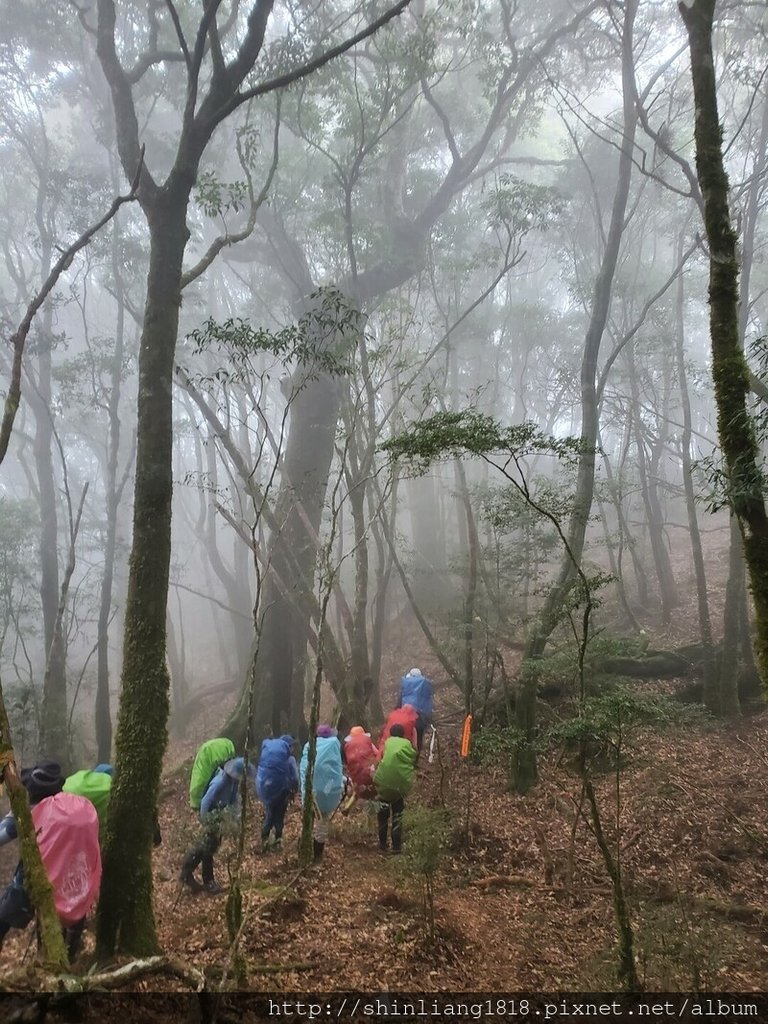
(125, 917)
(729, 369)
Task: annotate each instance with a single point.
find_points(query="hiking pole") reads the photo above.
(432, 738)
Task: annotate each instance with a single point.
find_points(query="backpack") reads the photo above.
(407, 716)
(94, 786)
(417, 691)
(274, 776)
(67, 832)
(397, 769)
(361, 757)
(328, 775)
(211, 756)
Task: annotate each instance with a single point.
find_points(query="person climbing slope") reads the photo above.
(327, 783)
(221, 801)
(277, 781)
(416, 690)
(406, 717)
(67, 833)
(393, 780)
(210, 756)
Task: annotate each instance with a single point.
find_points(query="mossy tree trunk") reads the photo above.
(125, 918)
(729, 369)
(126, 921)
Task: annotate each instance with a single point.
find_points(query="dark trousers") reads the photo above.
(203, 853)
(16, 911)
(394, 808)
(274, 816)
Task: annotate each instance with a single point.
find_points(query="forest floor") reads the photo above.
(513, 909)
(511, 912)
(522, 901)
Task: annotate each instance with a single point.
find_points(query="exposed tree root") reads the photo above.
(42, 981)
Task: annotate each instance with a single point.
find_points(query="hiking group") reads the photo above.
(69, 814)
(382, 773)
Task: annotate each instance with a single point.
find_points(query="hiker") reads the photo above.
(416, 690)
(210, 756)
(393, 779)
(220, 800)
(96, 785)
(360, 756)
(277, 782)
(67, 831)
(406, 717)
(327, 783)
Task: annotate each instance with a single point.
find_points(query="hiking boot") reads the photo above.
(278, 843)
(213, 888)
(187, 879)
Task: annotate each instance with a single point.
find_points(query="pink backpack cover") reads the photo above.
(67, 829)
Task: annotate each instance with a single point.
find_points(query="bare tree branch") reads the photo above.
(19, 337)
(239, 236)
(282, 81)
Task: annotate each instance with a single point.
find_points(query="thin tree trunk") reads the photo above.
(54, 736)
(470, 595)
(653, 517)
(102, 711)
(711, 694)
(524, 765)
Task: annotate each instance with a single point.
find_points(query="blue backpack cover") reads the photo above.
(417, 691)
(274, 776)
(328, 776)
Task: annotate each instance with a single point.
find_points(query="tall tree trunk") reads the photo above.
(470, 595)
(524, 764)
(360, 665)
(653, 517)
(384, 567)
(279, 702)
(729, 370)
(428, 573)
(625, 534)
(125, 917)
(102, 711)
(711, 694)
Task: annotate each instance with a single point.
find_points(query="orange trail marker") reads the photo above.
(465, 735)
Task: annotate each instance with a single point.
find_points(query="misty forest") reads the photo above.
(343, 338)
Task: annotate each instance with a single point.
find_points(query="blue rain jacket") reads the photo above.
(223, 790)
